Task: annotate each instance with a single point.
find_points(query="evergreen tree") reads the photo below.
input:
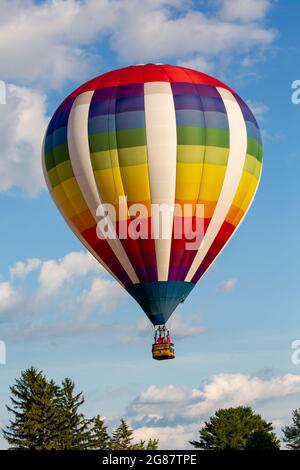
(152, 444)
(73, 427)
(99, 437)
(47, 417)
(122, 437)
(292, 433)
(34, 406)
(232, 428)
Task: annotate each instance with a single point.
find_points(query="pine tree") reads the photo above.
(34, 406)
(292, 433)
(74, 428)
(152, 444)
(122, 437)
(99, 437)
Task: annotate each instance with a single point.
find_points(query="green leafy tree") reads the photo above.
(262, 440)
(35, 409)
(99, 437)
(292, 433)
(232, 428)
(74, 430)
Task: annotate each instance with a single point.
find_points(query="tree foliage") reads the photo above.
(236, 429)
(47, 416)
(292, 433)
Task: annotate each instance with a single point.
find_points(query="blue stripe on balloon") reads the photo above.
(120, 121)
(192, 117)
(58, 137)
(130, 120)
(104, 123)
(214, 119)
(253, 131)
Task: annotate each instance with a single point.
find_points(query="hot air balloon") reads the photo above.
(154, 135)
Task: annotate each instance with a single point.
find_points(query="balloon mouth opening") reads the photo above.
(159, 299)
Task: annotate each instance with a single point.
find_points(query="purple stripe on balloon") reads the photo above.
(199, 273)
(246, 111)
(191, 89)
(122, 91)
(146, 273)
(130, 103)
(61, 116)
(113, 105)
(179, 272)
(203, 103)
(122, 276)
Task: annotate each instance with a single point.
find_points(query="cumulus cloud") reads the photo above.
(197, 63)
(170, 437)
(228, 285)
(23, 268)
(103, 293)
(180, 328)
(22, 126)
(155, 34)
(244, 10)
(50, 42)
(55, 273)
(53, 282)
(158, 409)
(8, 297)
(259, 109)
(46, 44)
(36, 330)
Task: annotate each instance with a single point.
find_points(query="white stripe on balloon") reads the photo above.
(234, 169)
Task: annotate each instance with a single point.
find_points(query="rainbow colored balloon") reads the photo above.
(154, 134)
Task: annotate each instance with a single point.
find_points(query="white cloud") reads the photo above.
(8, 296)
(228, 285)
(155, 35)
(37, 330)
(180, 328)
(170, 437)
(158, 409)
(244, 10)
(55, 273)
(22, 269)
(103, 293)
(223, 390)
(22, 126)
(197, 63)
(53, 282)
(45, 42)
(258, 108)
(50, 42)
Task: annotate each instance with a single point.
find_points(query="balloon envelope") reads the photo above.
(155, 134)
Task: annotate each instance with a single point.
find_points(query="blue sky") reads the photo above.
(59, 311)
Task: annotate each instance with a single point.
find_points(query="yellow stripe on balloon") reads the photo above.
(136, 182)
